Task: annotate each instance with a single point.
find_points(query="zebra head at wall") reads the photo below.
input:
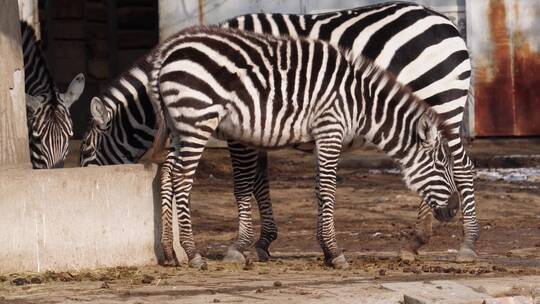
(96, 137)
(123, 124)
(109, 141)
(50, 126)
(428, 167)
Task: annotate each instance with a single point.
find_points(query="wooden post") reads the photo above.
(28, 11)
(14, 150)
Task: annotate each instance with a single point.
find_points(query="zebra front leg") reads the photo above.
(421, 235)
(464, 177)
(328, 152)
(166, 194)
(261, 191)
(244, 162)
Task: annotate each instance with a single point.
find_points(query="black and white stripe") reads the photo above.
(423, 49)
(249, 89)
(268, 92)
(49, 121)
(392, 25)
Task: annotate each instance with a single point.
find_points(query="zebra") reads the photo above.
(446, 92)
(48, 118)
(425, 51)
(248, 88)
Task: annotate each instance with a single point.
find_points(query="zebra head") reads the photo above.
(99, 145)
(428, 168)
(94, 138)
(50, 126)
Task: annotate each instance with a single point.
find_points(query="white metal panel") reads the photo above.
(176, 15)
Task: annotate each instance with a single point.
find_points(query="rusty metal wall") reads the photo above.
(504, 39)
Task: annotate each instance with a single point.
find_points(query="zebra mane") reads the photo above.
(368, 66)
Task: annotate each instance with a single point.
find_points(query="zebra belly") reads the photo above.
(231, 128)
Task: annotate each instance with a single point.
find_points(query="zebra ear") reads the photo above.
(99, 112)
(34, 102)
(427, 130)
(74, 91)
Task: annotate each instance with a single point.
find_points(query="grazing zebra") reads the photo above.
(425, 51)
(48, 117)
(421, 44)
(271, 92)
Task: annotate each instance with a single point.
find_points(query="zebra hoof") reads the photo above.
(169, 263)
(263, 254)
(234, 256)
(466, 255)
(340, 262)
(198, 263)
(407, 255)
(170, 259)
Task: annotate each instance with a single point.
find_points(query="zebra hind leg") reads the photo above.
(166, 194)
(464, 177)
(328, 152)
(244, 162)
(261, 191)
(422, 233)
(187, 154)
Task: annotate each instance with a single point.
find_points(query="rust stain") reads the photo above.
(507, 92)
(494, 91)
(526, 82)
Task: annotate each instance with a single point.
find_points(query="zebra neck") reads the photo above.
(129, 91)
(38, 80)
(133, 112)
(391, 116)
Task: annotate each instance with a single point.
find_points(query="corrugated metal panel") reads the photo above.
(505, 47)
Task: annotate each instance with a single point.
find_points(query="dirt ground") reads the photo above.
(374, 215)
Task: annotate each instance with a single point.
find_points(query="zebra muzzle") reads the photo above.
(58, 165)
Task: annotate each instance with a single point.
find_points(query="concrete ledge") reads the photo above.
(79, 218)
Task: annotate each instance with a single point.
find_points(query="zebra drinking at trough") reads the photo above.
(420, 46)
(269, 92)
(49, 121)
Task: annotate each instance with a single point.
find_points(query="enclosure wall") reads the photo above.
(78, 218)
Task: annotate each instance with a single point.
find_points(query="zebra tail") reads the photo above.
(160, 139)
(162, 132)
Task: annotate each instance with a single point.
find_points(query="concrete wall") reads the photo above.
(79, 218)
